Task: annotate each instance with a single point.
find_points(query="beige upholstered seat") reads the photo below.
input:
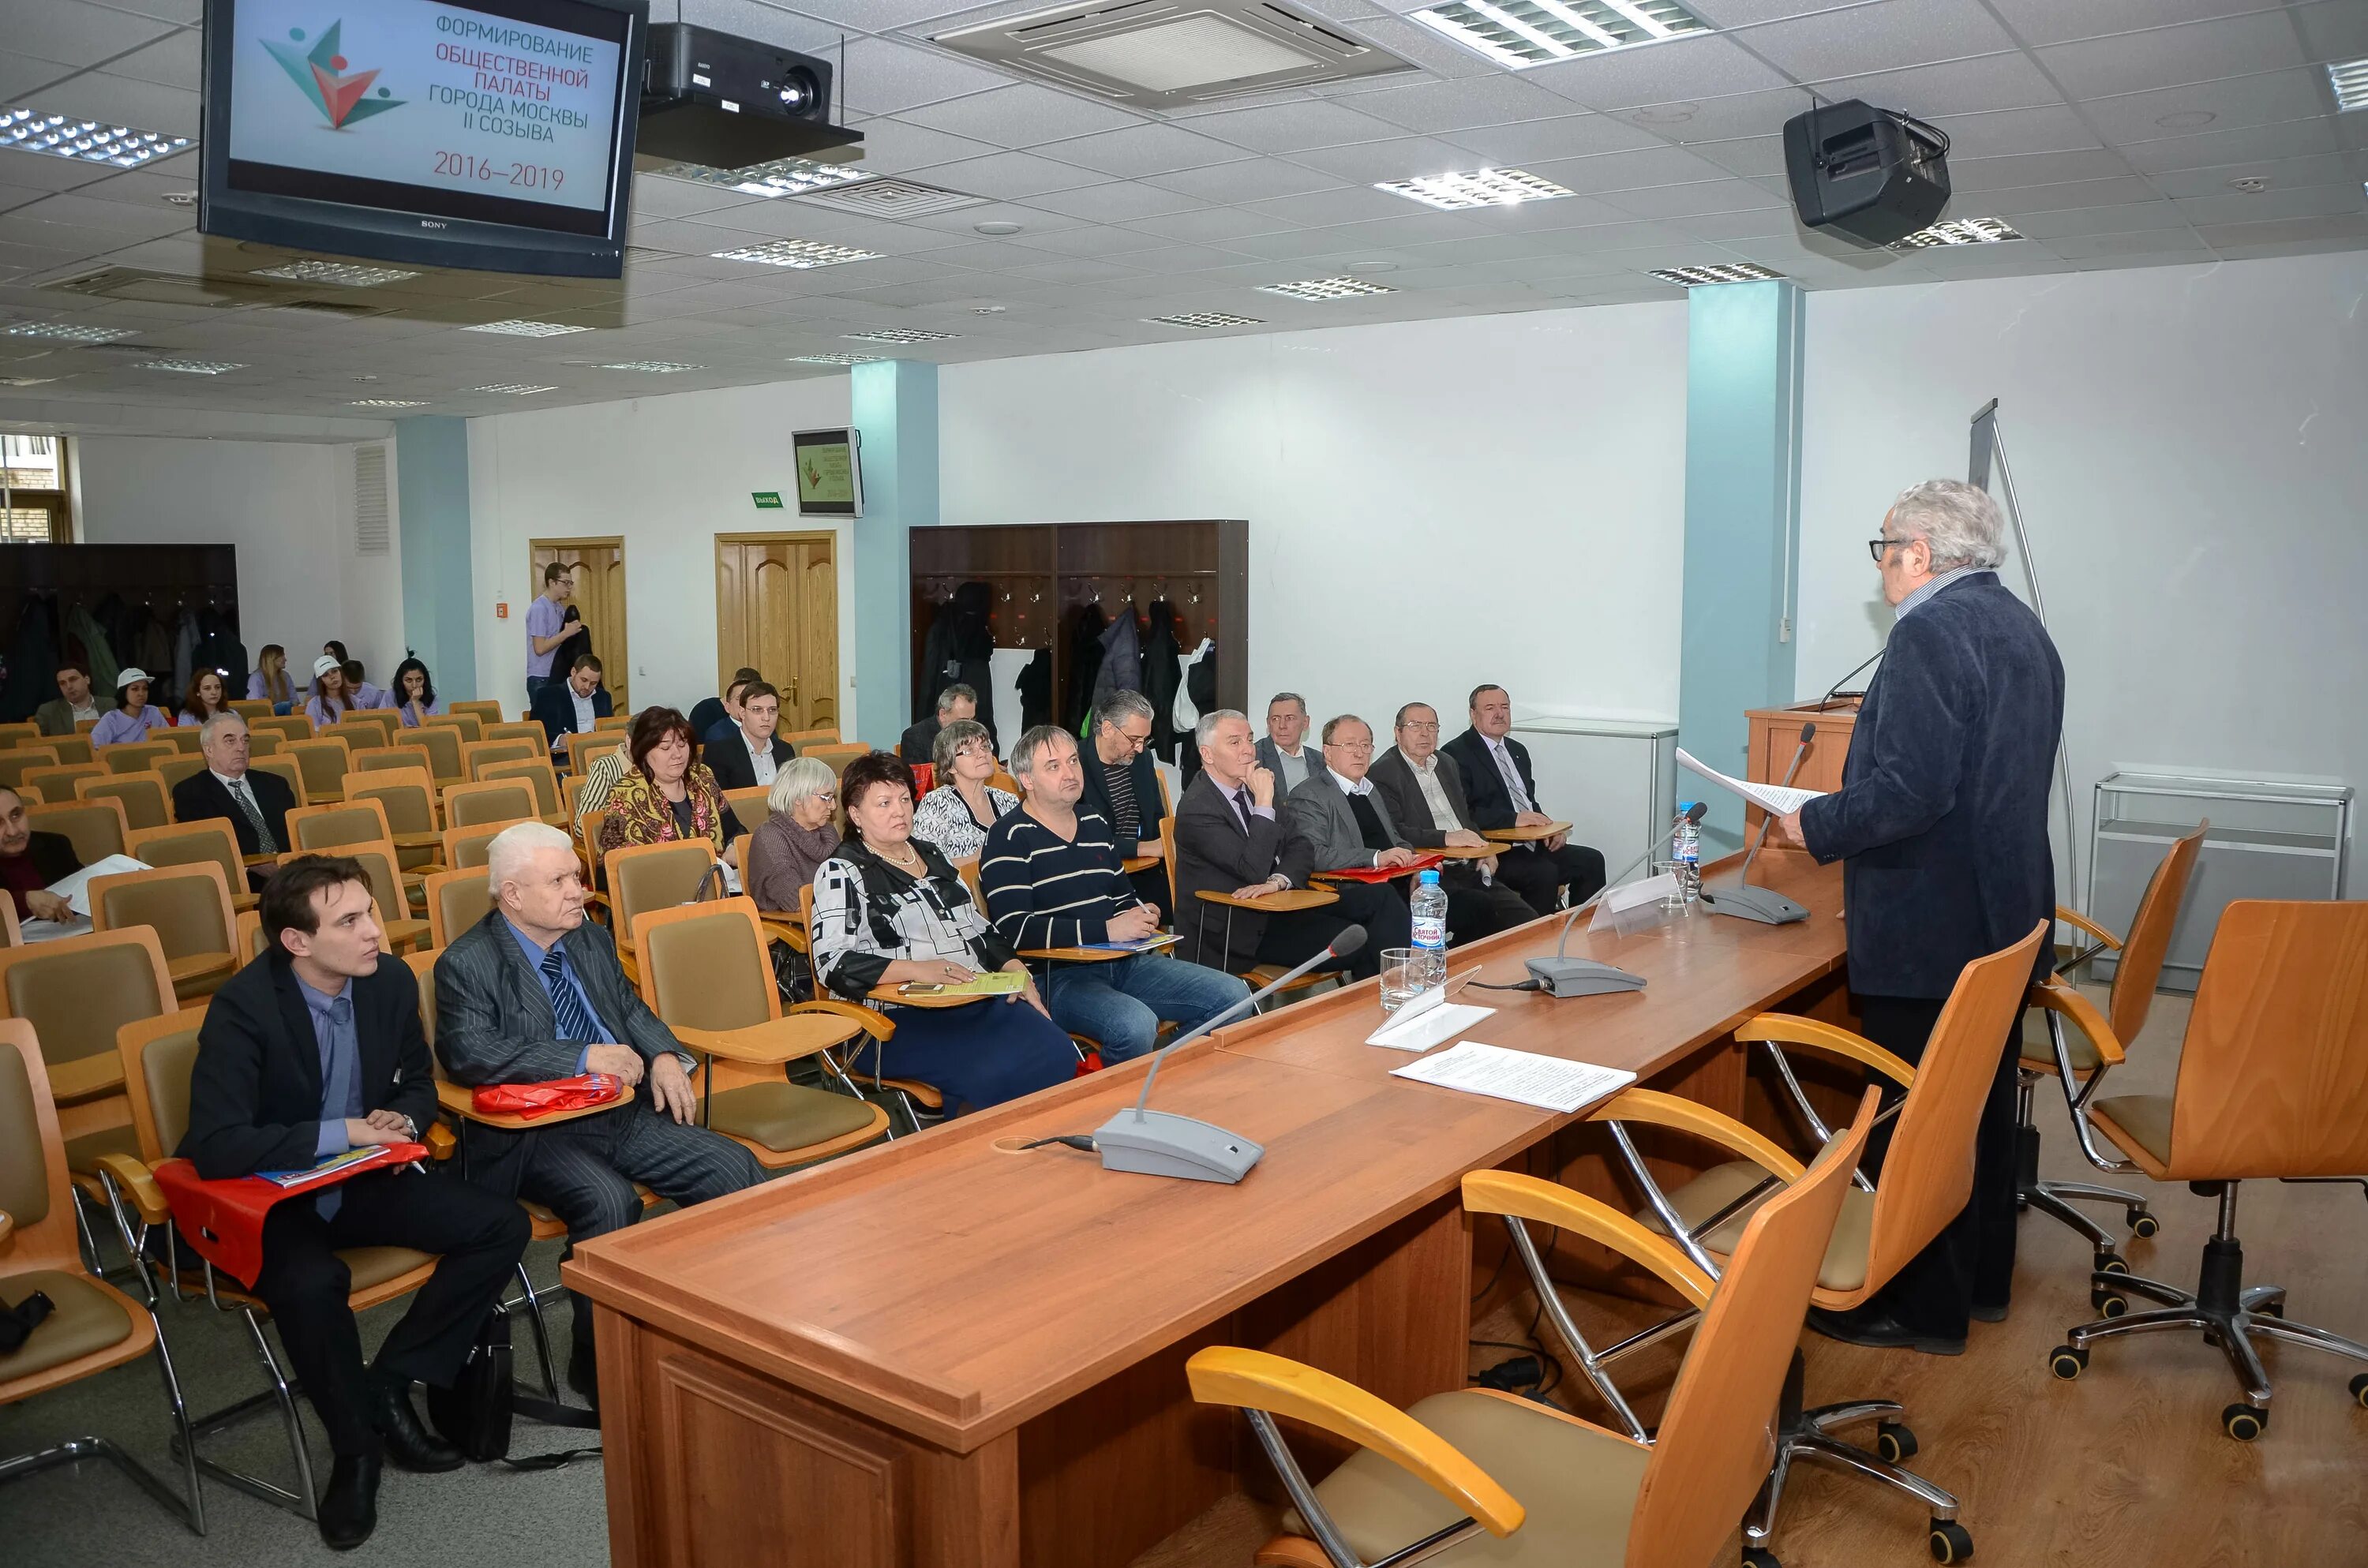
(86, 1320)
(1844, 1268)
(2141, 1119)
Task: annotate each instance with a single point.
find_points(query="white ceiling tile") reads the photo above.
(2283, 174)
(1694, 200)
(2196, 51)
(1143, 150)
(883, 76)
(1294, 244)
(891, 147)
(1696, 66)
(173, 60)
(1570, 136)
(1114, 203)
(2011, 203)
(1867, 40)
(2293, 138)
(1750, 155)
(1087, 239)
(23, 75)
(1008, 177)
(76, 32)
(1253, 179)
(2054, 21)
(1718, 120)
(2352, 227)
(2310, 201)
(1022, 115)
(1346, 204)
(2006, 132)
(1757, 223)
(2233, 103)
(1988, 83)
(1548, 216)
(1214, 226)
(2334, 30)
(2129, 217)
(1435, 106)
(1630, 171)
(130, 220)
(1295, 126)
(2034, 169)
(1402, 159)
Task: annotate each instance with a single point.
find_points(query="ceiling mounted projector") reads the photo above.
(727, 103)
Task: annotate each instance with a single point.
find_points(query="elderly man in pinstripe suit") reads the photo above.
(533, 993)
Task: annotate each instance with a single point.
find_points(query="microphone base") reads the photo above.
(1765, 905)
(1157, 1143)
(1582, 977)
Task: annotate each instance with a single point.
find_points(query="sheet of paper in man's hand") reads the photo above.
(1776, 798)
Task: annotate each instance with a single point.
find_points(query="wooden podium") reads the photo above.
(1776, 735)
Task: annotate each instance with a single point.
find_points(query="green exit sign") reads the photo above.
(767, 499)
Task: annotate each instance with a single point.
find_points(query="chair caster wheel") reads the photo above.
(2143, 1225)
(2111, 1263)
(1895, 1442)
(2360, 1388)
(2271, 1309)
(1950, 1542)
(2244, 1422)
(2109, 1303)
(2067, 1362)
(1759, 1557)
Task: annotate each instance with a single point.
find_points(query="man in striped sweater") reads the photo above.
(1053, 878)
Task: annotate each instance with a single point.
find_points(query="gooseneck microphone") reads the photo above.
(1766, 904)
(1156, 1143)
(1837, 687)
(1564, 976)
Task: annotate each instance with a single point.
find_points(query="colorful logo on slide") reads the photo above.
(322, 74)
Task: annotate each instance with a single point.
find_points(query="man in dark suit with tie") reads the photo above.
(1504, 793)
(1423, 788)
(254, 804)
(1228, 841)
(532, 992)
(574, 706)
(734, 760)
(311, 1049)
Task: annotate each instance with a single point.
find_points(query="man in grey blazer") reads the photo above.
(1423, 787)
(1283, 750)
(1339, 821)
(533, 993)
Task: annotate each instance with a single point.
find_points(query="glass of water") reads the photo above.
(1402, 975)
(1673, 901)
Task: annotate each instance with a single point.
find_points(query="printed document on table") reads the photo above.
(1425, 1020)
(1775, 798)
(1547, 1082)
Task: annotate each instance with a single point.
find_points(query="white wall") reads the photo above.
(2188, 446)
(288, 507)
(1432, 504)
(666, 473)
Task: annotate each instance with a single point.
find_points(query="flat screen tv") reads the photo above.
(830, 472)
(494, 135)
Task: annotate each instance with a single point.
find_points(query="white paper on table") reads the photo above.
(51, 930)
(1777, 798)
(75, 888)
(1427, 1020)
(1618, 908)
(1523, 1076)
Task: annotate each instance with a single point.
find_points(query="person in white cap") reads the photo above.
(132, 718)
(331, 698)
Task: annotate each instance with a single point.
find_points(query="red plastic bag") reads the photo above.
(222, 1221)
(527, 1101)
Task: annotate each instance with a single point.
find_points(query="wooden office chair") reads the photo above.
(1926, 1177)
(97, 828)
(56, 785)
(1433, 1483)
(322, 763)
(23, 733)
(70, 748)
(289, 727)
(489, 800)
(835, 758)
(408, 797)
(155, 1057)
(644, 877)
(476, 756)
(93, 1327)
(705, 972)
(470, 727)
(441, 745)
(132, 756)
(11, 934)
(752, 807)
(922, 1102)
(393, 757)
(18, 762)
(530, 730)
(614, 722)
(456, 900)
(208, 841)
(172, 769)
(467, 848)
(182, 738)
(146, 799)
(282, 768)
(581, 748)
(801, 739)
(536, 774)
(2072, 1058)
(188, 908)
(1258, 975)
(390, 889)
(485, 712)
(264, 743)
(329, 829)
(2272, 1083)
(385, 720)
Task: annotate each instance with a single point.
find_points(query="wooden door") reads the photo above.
(777, 612)
(600, 568)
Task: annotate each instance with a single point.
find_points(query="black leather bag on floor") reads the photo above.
(474, 1415)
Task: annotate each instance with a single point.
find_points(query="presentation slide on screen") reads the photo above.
(826, 474)
(424, 95)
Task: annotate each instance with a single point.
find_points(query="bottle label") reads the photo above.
(1430, 931)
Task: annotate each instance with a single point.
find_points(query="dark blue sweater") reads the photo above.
(1043, 892)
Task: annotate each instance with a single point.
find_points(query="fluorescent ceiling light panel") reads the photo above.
(85, 141)
(836, 359)
(386, 402)
(654, 367)
(345, 273)
(1482, 188)
(67, 332)
(1204, 320)
(526, 328)
(1715, 272)
(799, 254)
(900, 335)
(2350, 80)
(513, 389)
(1960, 232)
(1325, 288)
(789, 176)
(1521, 33)
(192, 367)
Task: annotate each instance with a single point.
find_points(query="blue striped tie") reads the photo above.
(567, 1009)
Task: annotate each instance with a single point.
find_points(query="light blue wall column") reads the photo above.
(1743, 504)
(431, 469)
(896, 410)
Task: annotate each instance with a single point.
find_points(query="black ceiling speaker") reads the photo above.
(1875, 175)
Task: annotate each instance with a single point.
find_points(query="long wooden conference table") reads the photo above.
(944, 1351)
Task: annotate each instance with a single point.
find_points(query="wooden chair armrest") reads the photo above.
(418, 841)
(1256, 1380)
(1784, 1028)
(2080, 922)
(779, 930)
(876, 1023)
(1683, 1115)
(772, 1043)
(138, 1185)
(2059, 997)
(1532, 1198)
(440, 1142)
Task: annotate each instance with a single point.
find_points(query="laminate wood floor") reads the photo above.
(2127, 1465)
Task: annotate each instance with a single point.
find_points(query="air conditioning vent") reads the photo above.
(1160, 55)
(888, 199)
(215, 292)
(370, 532)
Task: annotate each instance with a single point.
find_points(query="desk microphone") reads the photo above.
(1766, 904)
(1564, 976)
(1156, 1143)
(1837, 687)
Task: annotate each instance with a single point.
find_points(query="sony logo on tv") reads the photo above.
(433, 224)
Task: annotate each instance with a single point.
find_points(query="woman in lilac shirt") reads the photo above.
(132, 718)
(330, 700)
(269, 683)
(413, 695)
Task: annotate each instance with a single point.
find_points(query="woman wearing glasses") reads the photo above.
(956, 814)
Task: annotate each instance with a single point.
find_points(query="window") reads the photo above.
(34, 508)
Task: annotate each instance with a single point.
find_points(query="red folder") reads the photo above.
(1383, 873)
(526, 1101)
(222, 1221)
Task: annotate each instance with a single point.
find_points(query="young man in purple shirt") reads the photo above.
(545, 630)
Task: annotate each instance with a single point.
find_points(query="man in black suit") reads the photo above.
(1941, 827)
(574, 705)
(1228, 841)
(1423, 788)
(1504, 793)
(532, 992)
(311, 1049)
(30, 862)
(920, 739)
(254, 804)
(1122, 789)
(750, 754)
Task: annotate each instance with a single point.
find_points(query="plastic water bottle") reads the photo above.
(1684, 850)
(1430, 910)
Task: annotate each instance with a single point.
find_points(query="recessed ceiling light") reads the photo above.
(345, 273)
(997, 227)
(67, 332)
(789, 176)
(2186, 120)
(85, 140)
(2350, 80)
(836, 359)
(1482, 188)
(386, 402)
(1715, 272)
(900, 335)
(1325, 288)
(192, 367)
(1522, 33)
(654, 367)
(799, 254)
(513, 389)
(2251, 184)
(1960, 232)
(526, 328)
(1664, 114)
(1204, 320)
